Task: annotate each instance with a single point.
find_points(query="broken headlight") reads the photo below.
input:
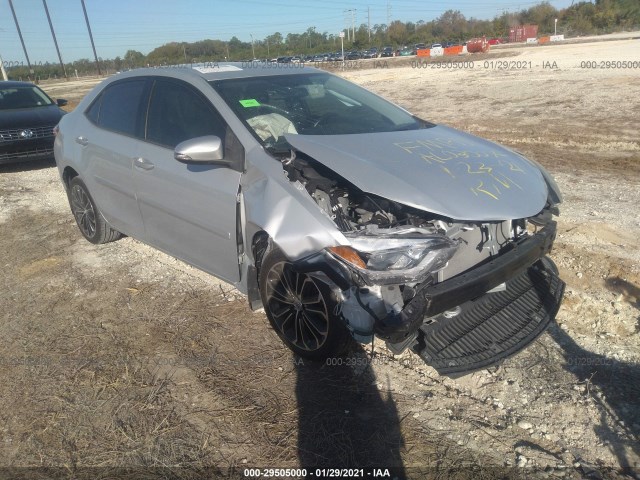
(392, 260)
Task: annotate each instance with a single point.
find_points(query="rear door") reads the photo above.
(109, 140)
(189, 211)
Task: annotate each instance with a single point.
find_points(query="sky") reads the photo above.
(120, 25)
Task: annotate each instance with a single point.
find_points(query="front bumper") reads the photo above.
(495, 326)
(431, 300)
(457, 326)
(27, 150)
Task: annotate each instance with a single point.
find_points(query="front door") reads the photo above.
(189, 211)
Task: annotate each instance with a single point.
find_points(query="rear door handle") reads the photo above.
(82, 141)
(143, 163)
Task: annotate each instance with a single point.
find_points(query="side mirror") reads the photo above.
(61, 102)
(203, 150)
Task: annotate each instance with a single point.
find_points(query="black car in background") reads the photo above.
(27, 118)
(387, 52)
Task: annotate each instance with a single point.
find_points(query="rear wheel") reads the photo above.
(89, 219)
(300, 309)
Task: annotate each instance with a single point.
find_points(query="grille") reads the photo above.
(23, 133)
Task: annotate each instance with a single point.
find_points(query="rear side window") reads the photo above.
(177, 113)
(118, 108)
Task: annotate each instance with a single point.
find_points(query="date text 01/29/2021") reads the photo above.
(317, 473)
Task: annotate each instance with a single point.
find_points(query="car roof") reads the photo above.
(221, 70)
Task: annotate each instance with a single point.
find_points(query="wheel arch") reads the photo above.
(68, 174)
(259, 245)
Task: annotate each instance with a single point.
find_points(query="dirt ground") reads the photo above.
(118, 360)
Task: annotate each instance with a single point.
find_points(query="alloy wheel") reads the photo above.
(297, 307)
(83, 211)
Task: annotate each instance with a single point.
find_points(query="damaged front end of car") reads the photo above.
(462, 295)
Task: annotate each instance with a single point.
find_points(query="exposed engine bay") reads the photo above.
(357, 213)
(366, 308)
(351, 209)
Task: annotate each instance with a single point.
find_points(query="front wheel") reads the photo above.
(300, 309)
(89, 219)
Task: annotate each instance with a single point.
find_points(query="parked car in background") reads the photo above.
(407, 52)
(355, 55)
(387, 52)
(27, 118)
(342, 214)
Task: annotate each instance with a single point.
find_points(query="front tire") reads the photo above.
(90, 221)
(300, 309)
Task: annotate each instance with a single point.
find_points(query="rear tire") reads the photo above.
(300, 309)
(90, 221)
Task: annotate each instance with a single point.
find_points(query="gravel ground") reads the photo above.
(120, 356)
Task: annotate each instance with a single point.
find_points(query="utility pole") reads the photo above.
(15, 19)
(369, 23)
(346, 21)
(253, 50)
(353, 24)
(55, 41)
(388, 13)
(4, 72)
(93, 45)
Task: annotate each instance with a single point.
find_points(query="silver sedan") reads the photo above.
(343, 215)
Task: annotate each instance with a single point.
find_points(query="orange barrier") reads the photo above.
(544, 40)
(457, 50)
(424, 52)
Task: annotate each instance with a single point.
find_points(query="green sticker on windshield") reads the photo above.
(250, 102)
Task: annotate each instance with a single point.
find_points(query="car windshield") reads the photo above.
(309, 104)
(12, 98)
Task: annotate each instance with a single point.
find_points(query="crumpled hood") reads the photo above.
(439, 170)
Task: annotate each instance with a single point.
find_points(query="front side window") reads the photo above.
(177, 113)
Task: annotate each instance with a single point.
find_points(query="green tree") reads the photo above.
(397, 32)
(133, 59)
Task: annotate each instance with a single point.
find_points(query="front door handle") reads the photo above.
(143, 163)
(82, 141)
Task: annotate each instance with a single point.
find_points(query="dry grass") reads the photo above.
(112, 373)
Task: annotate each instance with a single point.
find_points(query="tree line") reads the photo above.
(582, 18)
